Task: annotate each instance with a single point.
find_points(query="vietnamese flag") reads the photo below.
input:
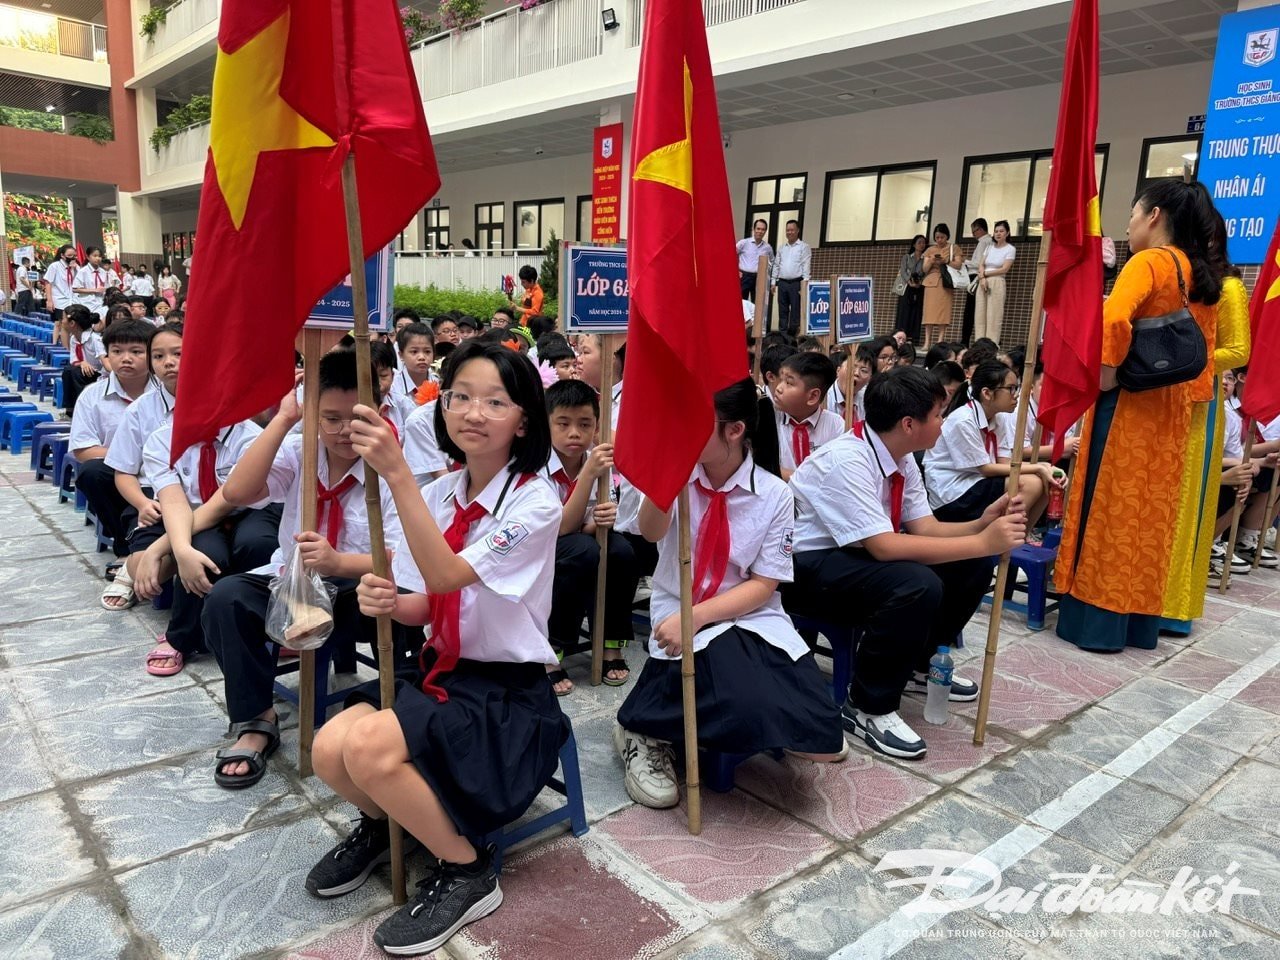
(296, 86)
(1261, 399)
(685, 338)
(1072, 350)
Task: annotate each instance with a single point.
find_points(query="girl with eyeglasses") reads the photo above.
(476, 733)
(965, 472)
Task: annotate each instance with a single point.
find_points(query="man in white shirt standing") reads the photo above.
(790, 268)
(973, 266)
(59, 280)
(24, 280)
(92, 281)
(750, 250)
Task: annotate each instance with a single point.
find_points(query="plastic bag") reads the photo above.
(300, 612)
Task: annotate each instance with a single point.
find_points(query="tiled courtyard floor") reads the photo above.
(115, 842)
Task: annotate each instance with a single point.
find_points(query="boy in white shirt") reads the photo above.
(97, 418)
(59, 279)
(235, 611)
(909, 592)
(803, 425)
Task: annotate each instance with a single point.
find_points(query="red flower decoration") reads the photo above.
(429, 391)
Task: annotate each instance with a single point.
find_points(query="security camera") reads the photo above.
(538, 151)
(726, 140)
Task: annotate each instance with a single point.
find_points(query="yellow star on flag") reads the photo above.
(250, 118)
(673, 163)
(1273, 291)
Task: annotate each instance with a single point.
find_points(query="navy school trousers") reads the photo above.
(574, 593)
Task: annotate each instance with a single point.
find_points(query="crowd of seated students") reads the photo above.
(857, 488)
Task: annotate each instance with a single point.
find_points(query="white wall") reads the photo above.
(1134, 106)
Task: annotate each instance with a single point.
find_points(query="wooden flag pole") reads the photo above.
(372, 496)
(1015, 471)
(1224, 582)
(1269, 517)
(311, 351)
(761, 313)
(686, 665)
(603, 494)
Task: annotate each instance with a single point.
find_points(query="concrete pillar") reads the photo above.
(86, 224)
(139, 219)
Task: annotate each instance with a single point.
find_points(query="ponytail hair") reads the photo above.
(1190, 213)
(739, 402)
(989, 375)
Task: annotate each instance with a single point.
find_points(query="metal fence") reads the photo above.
(713, 11)
(454, 271)
(46, 33)
(181, 20)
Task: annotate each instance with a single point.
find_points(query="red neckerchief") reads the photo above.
(711, 551)
(446, 608)
(335, 516)
(207, 475)
(801, 442)
(897, 484)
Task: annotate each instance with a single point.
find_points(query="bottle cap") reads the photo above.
(944, 649)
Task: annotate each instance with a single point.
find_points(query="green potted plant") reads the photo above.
(151, 21)
(456, 14)
(92, 127)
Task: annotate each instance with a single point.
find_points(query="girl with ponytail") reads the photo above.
(758, 685)
(966, 470)
(1120, 528)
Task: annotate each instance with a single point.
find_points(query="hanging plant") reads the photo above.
(456, 14)
(527, 4)
(151, 20)
(194, 112)
(92, 127)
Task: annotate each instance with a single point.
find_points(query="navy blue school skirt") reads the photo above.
(973, 502)
(751, 697)
(490, 748)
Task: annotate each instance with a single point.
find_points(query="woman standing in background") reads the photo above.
(910, 292)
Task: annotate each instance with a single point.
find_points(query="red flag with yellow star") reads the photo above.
(1073, 278)
(1261, 400)
(296, 86)
(685, 337)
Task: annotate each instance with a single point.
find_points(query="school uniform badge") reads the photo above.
(786, 544)
(506, 539)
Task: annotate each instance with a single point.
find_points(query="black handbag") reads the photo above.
(1165, 350)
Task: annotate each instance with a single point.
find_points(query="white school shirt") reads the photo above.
(1232, 439)
(284, 485)
(761, 519)
(421, 451)
(403, 387)
(951, 465)
(22, 283)
(145, 416)
(844, 493)
(142, 286)
(824, 426)
(1271, 430)
(627, 496)
(512, 548)
(91, 276)
(60, 283)
(99, 412)
(229, 446)
(554, 465)
(91, 346)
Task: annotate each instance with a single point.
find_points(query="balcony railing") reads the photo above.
(714, 12)
(509, 44)
(186, 147)
(46, 33)
(181, 21)
(454, 271)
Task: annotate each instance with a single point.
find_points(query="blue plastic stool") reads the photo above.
(105, 542)
(717, 769)
(11, 398)
(42, 430)
(324, 699)
(842, 641)
(15, 427)
(15, 365)
(45, 456)
(57, 393)
(67, 486)
(1035, 562)
(27, 375)
(569, 786)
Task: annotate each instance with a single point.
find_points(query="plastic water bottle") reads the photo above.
(939, 686)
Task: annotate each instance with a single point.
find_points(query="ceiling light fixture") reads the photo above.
(50, 108)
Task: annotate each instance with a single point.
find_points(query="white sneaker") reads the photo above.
(1269, 541)
(650, 769)
(887, 733)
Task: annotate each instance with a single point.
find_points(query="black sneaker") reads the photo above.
(447, 900)
(347, 866)
(963, 690)
(886, 734)
(1245, 552)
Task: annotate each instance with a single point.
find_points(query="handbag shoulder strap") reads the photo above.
(1182, 284)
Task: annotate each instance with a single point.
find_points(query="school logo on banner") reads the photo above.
(606, 147)
(1260, 47)
(508, 538)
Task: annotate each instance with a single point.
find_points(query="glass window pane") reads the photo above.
(997, 191)
(851, 205)
(1040, 190)
(552, 219)
(526, 220)
(1099, 161)
(904, 204)
(783, 217)
(765, 191)
(1168, 159)
(791, 190)
(584, 220)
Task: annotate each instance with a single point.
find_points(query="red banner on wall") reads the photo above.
(606, 184)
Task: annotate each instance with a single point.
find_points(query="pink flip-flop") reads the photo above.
(160, 655)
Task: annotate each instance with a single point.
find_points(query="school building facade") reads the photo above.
(867, 122)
